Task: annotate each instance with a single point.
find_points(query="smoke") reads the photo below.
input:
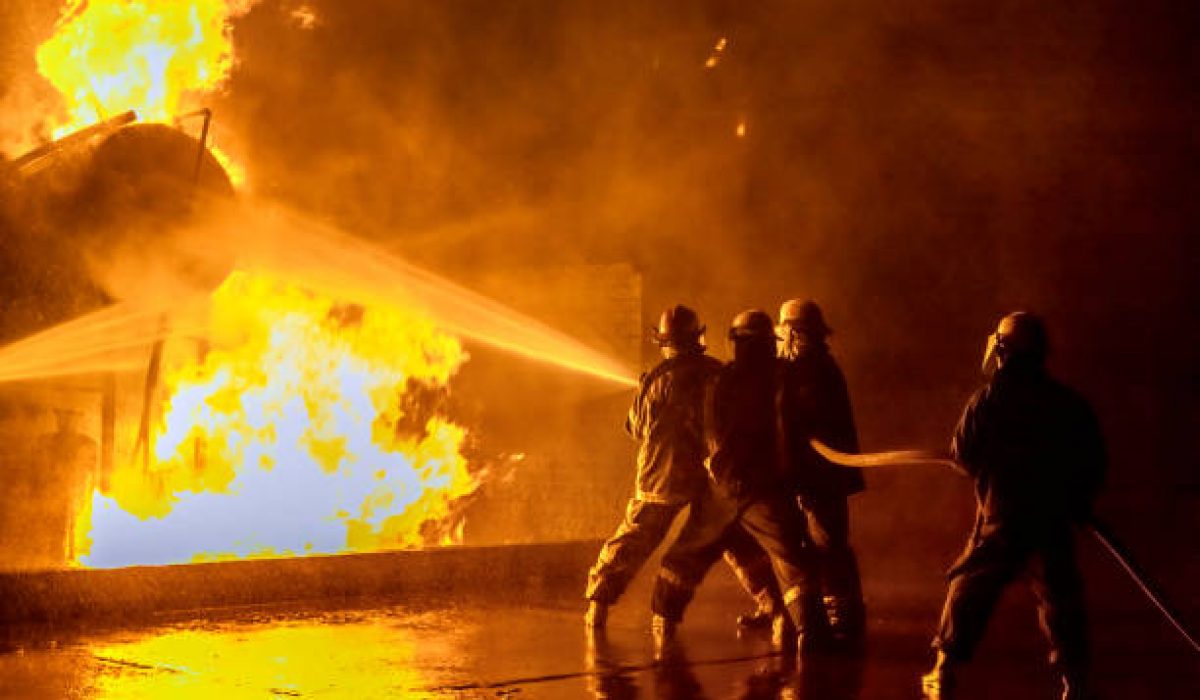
(520, 140)
(890, 158)
(27, 102)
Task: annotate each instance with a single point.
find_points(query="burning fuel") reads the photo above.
(301, 431)
(160, 59)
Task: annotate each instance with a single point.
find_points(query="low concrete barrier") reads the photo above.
(509, 572)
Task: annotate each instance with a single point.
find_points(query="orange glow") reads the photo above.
(304, 17)
(306, 428)
(715, 57)
(234, 169)
(295, 658)
(160, 59)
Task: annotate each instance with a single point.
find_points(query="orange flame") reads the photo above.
(159, 59)
(301, 431)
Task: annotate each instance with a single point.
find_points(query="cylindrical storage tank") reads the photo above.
(99, 218)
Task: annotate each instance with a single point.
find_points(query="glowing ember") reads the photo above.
(306, 428)
(717, 51)
(304, 17)
(159, 59)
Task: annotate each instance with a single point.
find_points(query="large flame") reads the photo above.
(308, 427)
(160, 59)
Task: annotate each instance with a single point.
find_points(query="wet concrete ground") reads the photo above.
(537, 648)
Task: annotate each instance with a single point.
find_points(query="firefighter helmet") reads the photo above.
(751, 324)
(803, 316)
(1018, 335)
(678, 327)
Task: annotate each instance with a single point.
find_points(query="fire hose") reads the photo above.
(1101, 532)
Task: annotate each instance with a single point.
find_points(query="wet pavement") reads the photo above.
(537, 648)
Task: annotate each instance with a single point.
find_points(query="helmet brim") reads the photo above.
(784, 327)
(744, 335)
(665, 339)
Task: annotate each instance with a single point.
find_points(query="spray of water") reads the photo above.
(349, 267)
(319, 256)
(114, 339)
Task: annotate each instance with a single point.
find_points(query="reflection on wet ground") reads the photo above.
(538, 649)
(760, 677)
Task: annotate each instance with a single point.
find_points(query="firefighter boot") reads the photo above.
(939, 683)
(816, 635)
(799, 629)
(847, 623)
(663, 630)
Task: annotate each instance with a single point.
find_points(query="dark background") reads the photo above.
(918, 168)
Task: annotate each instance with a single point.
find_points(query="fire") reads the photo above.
(159, 59)
(308, 426)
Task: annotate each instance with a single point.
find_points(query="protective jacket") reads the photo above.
(1034, 447)
(816, 404)
(745, 461)
(744, 431)
(667, 417)
(1035, 450)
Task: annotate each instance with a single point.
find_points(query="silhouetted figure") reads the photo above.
(667, 417)
(746, 461)
(66, 465)
(816, 404)
(1035, 450)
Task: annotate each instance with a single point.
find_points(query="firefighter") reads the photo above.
(746, 462)
(816, 404)
(666, 417)
(1035, 451)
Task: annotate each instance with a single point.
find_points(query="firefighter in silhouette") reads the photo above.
(747, 464)
(666, 416)
(816, 404)
(1035, 451)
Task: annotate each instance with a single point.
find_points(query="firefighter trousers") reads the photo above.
(835, 569)
(775, 524)
(996, 556)
(643, 529)
(828, 520)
